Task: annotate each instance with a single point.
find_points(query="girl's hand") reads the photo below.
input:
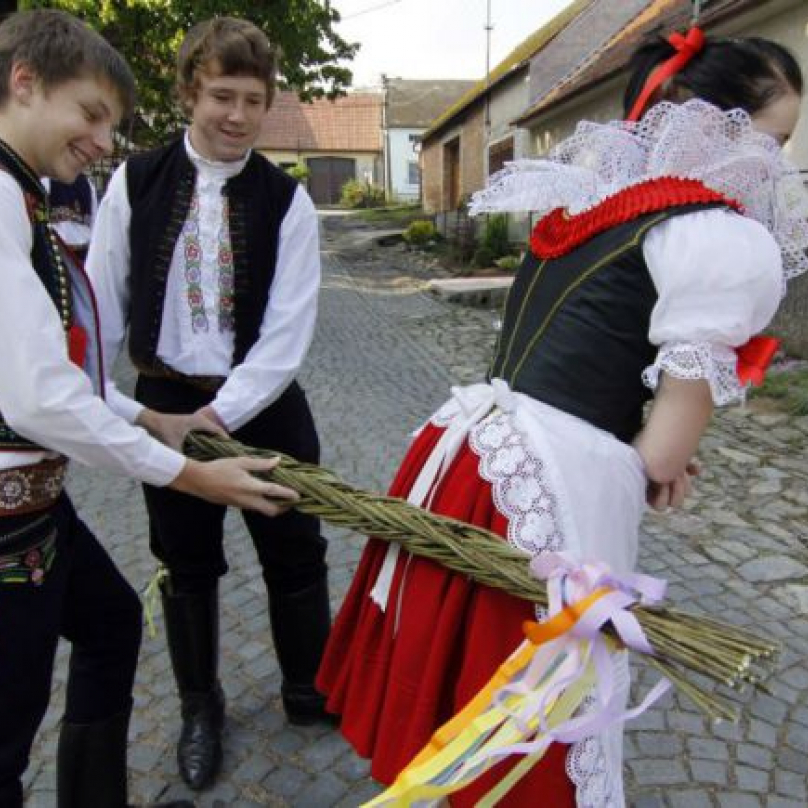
(663, 496)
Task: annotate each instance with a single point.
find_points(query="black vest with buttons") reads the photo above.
(575, 330)
(160, 186)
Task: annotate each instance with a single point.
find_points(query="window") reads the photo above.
(499, 154)
(413, 173)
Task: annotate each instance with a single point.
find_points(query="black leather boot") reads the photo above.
(192, 631)
(300, 623)
(91, 765)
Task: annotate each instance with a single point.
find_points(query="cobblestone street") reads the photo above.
(385, 354)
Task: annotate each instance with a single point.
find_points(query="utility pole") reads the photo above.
(386, 162)
(488, 29)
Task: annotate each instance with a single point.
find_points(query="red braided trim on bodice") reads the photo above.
(558, 233)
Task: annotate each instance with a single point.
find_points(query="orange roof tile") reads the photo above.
(351, 123)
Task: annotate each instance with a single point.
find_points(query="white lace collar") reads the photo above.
(695, 140)
(214, 169)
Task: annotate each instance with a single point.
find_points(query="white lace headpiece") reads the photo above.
(693, 140)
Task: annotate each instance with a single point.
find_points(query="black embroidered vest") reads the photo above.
(160, 186)
(45, 261)
(575, 330)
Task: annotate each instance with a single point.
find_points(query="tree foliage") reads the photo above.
(148, 33)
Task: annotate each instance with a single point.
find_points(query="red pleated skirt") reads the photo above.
(396, 675)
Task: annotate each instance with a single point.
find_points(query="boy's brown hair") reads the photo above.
(58, 48)
(226, 46)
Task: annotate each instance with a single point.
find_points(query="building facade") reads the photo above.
(337, 140)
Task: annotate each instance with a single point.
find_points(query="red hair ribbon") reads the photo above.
(754, 357)
(687, 47)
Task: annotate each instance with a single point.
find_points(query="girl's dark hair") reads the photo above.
(747, 73)
(58, 48)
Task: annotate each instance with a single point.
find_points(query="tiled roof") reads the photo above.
(351, 123)
(417, 102)
(519, 57)
(660, 16)
(575, 45)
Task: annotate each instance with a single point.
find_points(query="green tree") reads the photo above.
(148, 33)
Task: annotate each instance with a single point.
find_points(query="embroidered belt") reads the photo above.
(160, 370)
(26, 489)
(27, 550)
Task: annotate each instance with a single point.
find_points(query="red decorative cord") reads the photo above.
(558, 233)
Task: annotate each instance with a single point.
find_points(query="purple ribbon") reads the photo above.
(569, 582)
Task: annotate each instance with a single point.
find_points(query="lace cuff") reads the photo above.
(699, 360)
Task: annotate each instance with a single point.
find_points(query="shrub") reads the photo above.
(359, 194)
(508, 262)
(495, 236)
(483, 257)
(420, 232)
(300, 171)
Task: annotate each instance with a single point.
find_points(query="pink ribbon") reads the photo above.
(568, 582)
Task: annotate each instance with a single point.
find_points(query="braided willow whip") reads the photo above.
(683, 644)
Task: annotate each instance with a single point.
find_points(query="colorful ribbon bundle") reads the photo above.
(532, 699)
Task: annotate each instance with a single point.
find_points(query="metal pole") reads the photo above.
(386, 161)
(488, 29)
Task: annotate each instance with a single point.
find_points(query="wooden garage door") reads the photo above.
(327, 175)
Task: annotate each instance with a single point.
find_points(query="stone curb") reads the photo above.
(482, 292)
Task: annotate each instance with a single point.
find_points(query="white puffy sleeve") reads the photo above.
(719, 280)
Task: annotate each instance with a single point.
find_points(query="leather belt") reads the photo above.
(26, 489)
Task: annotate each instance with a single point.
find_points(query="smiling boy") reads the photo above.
(209, 255)
(63, 90)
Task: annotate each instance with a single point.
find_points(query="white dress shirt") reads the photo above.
(288, 323)
(43, 395)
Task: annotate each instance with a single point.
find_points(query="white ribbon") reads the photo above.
(472, 404)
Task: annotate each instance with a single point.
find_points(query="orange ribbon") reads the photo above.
(536, 634)
(686, 47)
(754, 358)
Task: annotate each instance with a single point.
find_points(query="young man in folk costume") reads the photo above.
(63, 89)
(209, 254)
(665, 244)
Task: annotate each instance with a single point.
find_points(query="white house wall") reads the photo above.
(402, 154)
(508, 101)
(601, 104)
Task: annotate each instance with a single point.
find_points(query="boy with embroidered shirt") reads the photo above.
(62, 91)
(209, 255)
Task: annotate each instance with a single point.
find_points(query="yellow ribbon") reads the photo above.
(457, 737)
(151, 594)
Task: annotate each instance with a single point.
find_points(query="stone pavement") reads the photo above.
(384, 356)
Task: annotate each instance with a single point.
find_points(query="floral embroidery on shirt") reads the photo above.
(193, 267)
(226, 273)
